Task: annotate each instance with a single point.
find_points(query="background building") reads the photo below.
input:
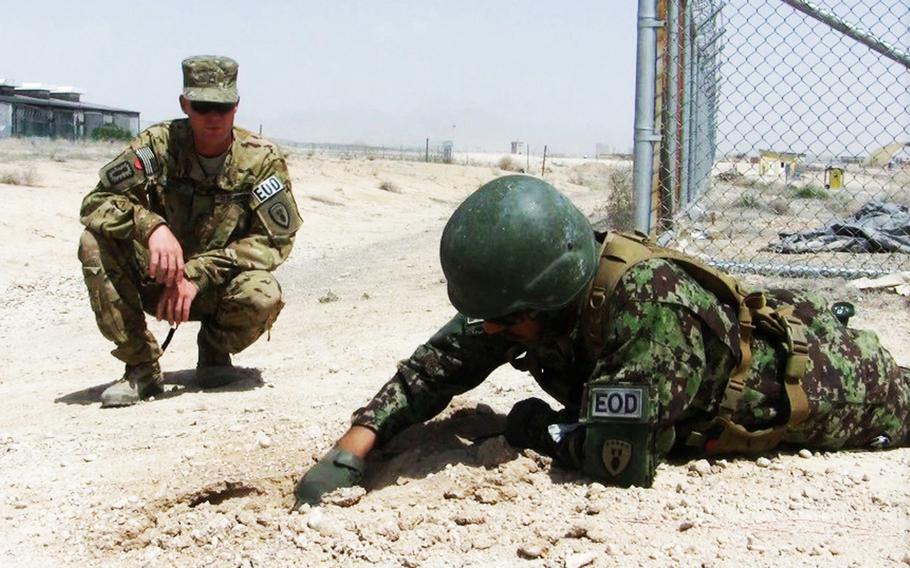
(33, 110)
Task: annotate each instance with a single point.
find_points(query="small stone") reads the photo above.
(455, 493)
(89, 457)
(906, 559)
(469, 519)
(532, 550)
(263, 441)
(328, 298)
(322, 523)
(482, 542)
(487, 495)
(763, 462)
(579, 560)
(346, 496)
(610, 550)
(151, 553)
(702, 467)
(685, 525)
(804, 453)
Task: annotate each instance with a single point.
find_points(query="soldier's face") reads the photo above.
(211, 124)
(521, 327)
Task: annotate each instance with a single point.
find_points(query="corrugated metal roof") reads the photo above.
(57, 103)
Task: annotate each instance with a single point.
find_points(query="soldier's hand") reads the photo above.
(335, 470)
(165, 256)
(174, 303)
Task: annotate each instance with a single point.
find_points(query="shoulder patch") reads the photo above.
(118, 172)
(266, 190)
(127, 170)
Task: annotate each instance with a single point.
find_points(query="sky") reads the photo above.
(480, 73)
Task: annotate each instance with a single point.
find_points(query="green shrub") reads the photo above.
(730, 175)
(811, 191)
(111, 132)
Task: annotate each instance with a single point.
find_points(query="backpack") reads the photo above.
(621, 251)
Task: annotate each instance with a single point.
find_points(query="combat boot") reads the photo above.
(138, 382)
(214, 368)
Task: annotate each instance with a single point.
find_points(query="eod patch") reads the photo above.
(275, 206)
(266, 190)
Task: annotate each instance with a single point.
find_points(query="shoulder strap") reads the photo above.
(618, 254)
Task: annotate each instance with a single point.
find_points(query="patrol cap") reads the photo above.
(210, 78)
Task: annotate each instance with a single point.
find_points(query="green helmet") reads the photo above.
(516, 244)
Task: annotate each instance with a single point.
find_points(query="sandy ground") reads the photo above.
(200, 478)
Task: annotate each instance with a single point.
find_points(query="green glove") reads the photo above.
(336, 469)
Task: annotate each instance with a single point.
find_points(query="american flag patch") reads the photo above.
(149, 161)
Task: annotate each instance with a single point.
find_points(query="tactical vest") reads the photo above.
(622, 251)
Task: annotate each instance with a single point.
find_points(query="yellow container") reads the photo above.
(834, 178)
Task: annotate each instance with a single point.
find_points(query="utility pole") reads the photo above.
(543, 165)
(427, 154)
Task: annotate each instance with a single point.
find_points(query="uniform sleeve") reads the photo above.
(455, 360)
(266, 245)
(118, 207)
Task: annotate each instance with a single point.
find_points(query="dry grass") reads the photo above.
(621, 202)
(748, 200)
(508, 164)
(25, 149)
(389, 186)
(23, 176)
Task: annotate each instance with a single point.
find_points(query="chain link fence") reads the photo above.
(430, 151)
(784, 135)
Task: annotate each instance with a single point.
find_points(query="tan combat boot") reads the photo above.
(138, 382)
(214, 368)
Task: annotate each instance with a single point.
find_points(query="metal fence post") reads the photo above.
(645, 90)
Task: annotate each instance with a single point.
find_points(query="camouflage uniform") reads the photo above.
(234, 227)
(668, 332)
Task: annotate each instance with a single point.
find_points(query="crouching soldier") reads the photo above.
(187, 224)
(648, 350)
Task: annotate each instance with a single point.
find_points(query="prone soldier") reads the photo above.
(650, 352)
(187, 224)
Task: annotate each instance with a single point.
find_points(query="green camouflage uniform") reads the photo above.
(668, 332)
(235, 227)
